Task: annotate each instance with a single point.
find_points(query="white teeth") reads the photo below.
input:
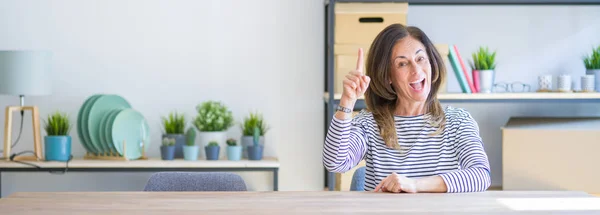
(417, 85)
(419, 81)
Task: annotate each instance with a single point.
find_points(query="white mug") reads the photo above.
(564, 83)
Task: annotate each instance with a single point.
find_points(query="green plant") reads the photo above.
(231, 142)
(58, 124)
(213, 116)
(167, 141)
(592, 61)
(174, 123)
(483, 59)
(190, 137)
(251, 121)
(213, 143)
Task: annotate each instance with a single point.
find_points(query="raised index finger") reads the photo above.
(360, 62)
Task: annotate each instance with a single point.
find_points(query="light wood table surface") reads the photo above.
(291, 202)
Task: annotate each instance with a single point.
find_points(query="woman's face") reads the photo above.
(410, 70)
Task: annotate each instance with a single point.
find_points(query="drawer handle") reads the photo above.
(370, 20)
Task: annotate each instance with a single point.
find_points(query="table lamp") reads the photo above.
(24, 73)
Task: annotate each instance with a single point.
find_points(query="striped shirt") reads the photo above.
(456, 154)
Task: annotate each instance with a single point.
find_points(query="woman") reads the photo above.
(409, 142)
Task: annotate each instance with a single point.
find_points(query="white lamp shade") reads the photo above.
(25, 73)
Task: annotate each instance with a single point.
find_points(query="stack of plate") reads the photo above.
(105, 122)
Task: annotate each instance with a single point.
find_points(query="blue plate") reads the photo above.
(107, 119)
(99, 108)
(130, 126)
(81, 130)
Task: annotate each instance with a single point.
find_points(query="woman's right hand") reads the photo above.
(355, 83)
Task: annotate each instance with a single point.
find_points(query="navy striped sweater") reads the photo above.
(456, 155)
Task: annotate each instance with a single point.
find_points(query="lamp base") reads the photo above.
(37, 146)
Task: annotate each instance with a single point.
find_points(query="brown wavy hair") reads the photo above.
(380, 96)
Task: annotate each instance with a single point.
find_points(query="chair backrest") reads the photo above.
(358, 180)
(195, 181)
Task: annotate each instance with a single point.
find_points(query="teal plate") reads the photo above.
(105, 131)
(103, 105)
(130, 127)
(102, 130)
(81, 131)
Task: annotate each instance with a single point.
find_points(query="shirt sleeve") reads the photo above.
(474, 173)
(345, 144)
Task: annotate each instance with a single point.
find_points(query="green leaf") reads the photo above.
(251, 121)
(57, 124)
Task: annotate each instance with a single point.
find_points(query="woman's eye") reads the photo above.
(402, 64)
(420, 59)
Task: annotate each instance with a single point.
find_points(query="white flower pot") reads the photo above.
(486, 80)
(564, 83)
(588, 83)
(545, 82)
(206, 137)
(596, 73)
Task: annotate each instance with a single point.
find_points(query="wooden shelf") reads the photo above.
(449, 97)
(485, 2)
(267, 162)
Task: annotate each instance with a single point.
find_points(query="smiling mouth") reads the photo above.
(418, 85)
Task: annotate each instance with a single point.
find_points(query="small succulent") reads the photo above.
(592, 61)
(174, 123)
(256, 135)
(213, 143)
(167, 141)
(58, 124)
(483, 59)
(190, 137)
(231, 142)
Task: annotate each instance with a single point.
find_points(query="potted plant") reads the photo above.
(592, 66)
(167, 149)
(483, 66)
(212, 122)
(212, 150)
(190, 150)
(250, 122)
(255, 151)
(174, 125)
(234, 151)
(57, 143)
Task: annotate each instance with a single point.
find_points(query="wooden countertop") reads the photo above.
(292, 202)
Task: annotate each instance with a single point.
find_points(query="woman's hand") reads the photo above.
(395, 183)
(355, 83)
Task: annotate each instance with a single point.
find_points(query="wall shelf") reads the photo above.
(449, 97)
(485, 2)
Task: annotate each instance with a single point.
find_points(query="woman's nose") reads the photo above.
(415, 69)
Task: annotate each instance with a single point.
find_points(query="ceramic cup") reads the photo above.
(564, 83)
(588, 83)
(545, 82)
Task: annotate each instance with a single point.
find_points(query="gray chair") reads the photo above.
(358, 180)
(195, 181)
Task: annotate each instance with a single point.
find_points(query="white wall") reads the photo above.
(167, 55)
(265, 55)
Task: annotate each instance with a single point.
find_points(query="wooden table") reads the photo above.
(318, 202)
(150, 165)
